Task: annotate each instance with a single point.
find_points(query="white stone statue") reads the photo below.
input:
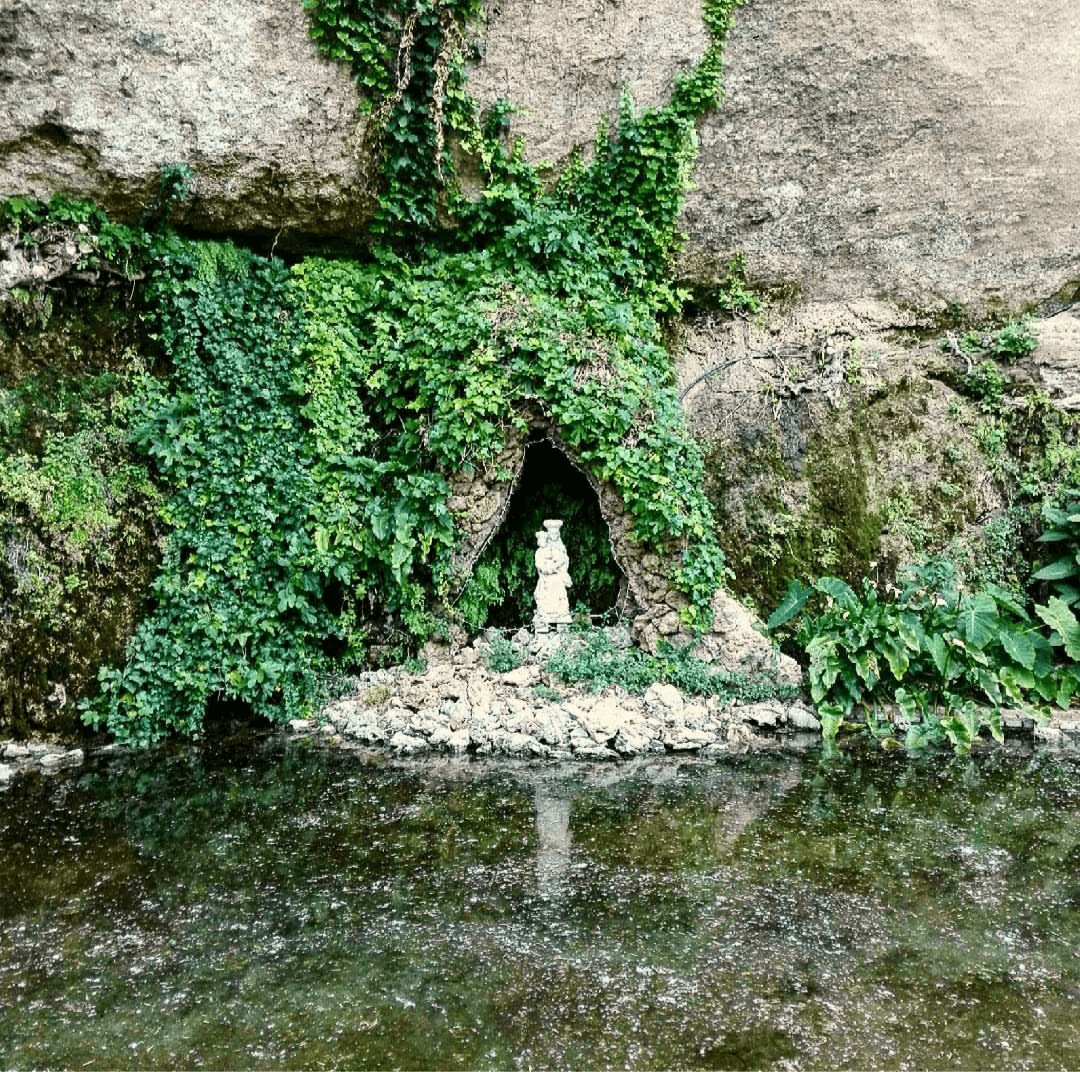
(553, 578)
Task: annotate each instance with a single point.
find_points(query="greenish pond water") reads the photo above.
(266, 903)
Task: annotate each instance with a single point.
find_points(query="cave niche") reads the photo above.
(547, 485)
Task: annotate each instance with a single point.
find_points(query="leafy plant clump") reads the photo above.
(949, 660)
(503, 656)
(1015, 339)
(310, 417)
(591, 658)
(1063, 531)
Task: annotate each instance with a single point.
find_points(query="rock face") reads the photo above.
(95, 97)
(918, 151)
(923, 151)
(870, 158)
(564, 64)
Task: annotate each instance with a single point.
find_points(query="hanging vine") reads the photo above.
(311, 416)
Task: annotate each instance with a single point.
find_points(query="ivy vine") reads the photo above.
(313, 415)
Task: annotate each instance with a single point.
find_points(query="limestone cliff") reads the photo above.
(921, 151)
(96, 97)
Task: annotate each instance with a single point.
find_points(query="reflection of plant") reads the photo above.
(949, 659)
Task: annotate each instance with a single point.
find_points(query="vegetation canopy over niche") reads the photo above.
(310, 416)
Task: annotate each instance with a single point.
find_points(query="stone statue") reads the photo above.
(553, 578)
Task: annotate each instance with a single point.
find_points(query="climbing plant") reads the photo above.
(310, 416)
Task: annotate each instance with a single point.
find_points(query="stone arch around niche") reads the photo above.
(481, 501)
(549, 484)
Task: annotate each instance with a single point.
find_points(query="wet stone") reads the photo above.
(799, 718)
(635, 740)
(60, 760)
(681, 738)
(406, 745)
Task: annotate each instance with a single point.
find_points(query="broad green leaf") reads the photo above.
(1017, 680)
(988, 682)
(839, 590)
(1058, 615)
(920, 736)
(1019, 647)
(794, 600)
(956, 730)
(978, 619)
(1067, 687)
(939, 652)
(832, 718)
(896, 654)
(866, 664)
(1008, 600)
(910, 631)
(1055, 516)
(1057, 571)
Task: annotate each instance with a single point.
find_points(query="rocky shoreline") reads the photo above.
(456, 703)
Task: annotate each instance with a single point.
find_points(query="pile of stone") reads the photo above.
(1060, 732)
(17, 757)
(459, 704)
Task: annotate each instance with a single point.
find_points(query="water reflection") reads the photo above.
(554, 843)
(270, 904)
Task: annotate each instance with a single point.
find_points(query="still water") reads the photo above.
(265, 903)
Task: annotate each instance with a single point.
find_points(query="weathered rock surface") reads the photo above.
(919, 151)
(95, 97)
(564, 64)
(842, 440)
(22, 757)
(923, 152)
(1057, 360)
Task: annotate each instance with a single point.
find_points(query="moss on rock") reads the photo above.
(77, 513)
